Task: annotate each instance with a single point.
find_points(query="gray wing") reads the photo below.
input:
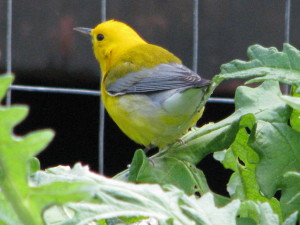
(160, 78)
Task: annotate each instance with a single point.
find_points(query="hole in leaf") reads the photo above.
(289, 122)
(278, 194)
(241, 162)
(248, 130)
(197, 193)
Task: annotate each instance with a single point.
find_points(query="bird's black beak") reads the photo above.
(83, 30)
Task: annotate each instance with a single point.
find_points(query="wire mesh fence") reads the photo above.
(76, 91)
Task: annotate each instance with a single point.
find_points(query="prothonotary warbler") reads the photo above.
(146, 90)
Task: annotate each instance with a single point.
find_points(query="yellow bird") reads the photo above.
(146, 90)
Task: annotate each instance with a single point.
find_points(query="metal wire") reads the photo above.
(195, 35)
(221, 100)
(54, 90)
(8, 46)
(8, 36)
(102, 111)
(103, 10)
(287, 20)
(89, 92)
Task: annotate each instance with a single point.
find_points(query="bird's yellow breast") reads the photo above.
(149, 123)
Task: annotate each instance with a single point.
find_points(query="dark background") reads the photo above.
(47, 52)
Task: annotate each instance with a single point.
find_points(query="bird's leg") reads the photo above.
(180, 141)
(148, 148)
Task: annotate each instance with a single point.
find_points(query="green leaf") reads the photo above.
(26, 147)
(167, 170)
(290, 195)
(277, 145)
(5, 81)
(139, 165)
(292, 219)
(295, 117)
(60, 192)
(294, 102)
(7, 213)
(131, 220)
(261, 213)
(245, 221)
(263, 102)
(204, 210)
(266, 64)
(9, 118)
(22, 201)
(34, 165)
(117, 199)
(61, 184)
(15, 155)
(57, 214)
(243, 161)
(200, 142)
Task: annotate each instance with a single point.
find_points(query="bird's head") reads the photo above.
(110, 39)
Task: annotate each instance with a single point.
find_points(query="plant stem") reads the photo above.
(14, 197)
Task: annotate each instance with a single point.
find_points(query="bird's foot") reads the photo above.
(148, 148)
(180, 141)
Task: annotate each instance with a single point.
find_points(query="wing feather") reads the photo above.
(160, 78)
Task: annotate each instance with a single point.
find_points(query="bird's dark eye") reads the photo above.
(100, 37)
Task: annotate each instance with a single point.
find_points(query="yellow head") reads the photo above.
(110, 39)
